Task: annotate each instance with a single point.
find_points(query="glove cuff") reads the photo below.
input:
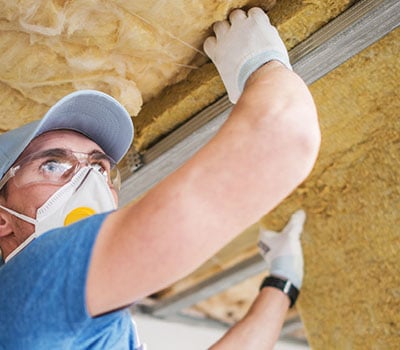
(251, 65)
(288, 267)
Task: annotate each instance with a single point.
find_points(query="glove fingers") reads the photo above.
(241, 48)
(259, 15)
(296, 223)
(221, 28)
(237, 15)
(209, 46)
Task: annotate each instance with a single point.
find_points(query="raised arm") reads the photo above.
(266, 148)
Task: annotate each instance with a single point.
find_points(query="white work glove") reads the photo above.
(242, 46)
(282, 251)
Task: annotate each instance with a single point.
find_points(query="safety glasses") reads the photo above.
(58, 165)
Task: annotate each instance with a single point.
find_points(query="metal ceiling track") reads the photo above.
(358, 27)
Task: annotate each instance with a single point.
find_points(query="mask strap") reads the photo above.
(28, 240)
(20, 216)
(20, 247)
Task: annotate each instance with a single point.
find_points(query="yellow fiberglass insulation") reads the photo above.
(131, 50)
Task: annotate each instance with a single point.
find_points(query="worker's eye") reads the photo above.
(100, 162)
(54, 168)
(101, 168)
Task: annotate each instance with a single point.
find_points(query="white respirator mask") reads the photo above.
(86, 194)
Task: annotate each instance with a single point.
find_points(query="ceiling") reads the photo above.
(148, 54)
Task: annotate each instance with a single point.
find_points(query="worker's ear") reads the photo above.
(5, 223)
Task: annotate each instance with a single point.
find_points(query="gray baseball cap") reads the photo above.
(94, 114)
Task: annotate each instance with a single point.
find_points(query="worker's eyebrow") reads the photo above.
(53, 152)
(101, 156)
(62, 152)
(98, 153)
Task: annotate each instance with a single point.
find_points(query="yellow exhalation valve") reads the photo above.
(78, 214)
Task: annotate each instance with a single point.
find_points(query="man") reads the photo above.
(66, 282)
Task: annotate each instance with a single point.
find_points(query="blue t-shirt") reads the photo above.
(42, 296)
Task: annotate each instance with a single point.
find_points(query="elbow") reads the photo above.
(308, 145)
(296, 141)
(306, 140)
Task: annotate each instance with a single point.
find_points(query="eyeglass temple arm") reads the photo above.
(9, 174)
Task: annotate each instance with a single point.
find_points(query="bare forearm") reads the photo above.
(260, 328)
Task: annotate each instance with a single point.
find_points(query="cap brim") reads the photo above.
(93, 113)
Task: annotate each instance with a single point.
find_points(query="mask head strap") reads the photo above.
(19, 215)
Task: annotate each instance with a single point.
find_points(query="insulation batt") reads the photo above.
(129, 49)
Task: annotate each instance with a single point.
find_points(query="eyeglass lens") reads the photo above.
(57, 166)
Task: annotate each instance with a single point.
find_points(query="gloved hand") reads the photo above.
(243, 46)
(282, 251)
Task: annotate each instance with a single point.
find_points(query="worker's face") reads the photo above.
(26, 199)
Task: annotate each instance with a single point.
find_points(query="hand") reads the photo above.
(242, 46)
(282, 251)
